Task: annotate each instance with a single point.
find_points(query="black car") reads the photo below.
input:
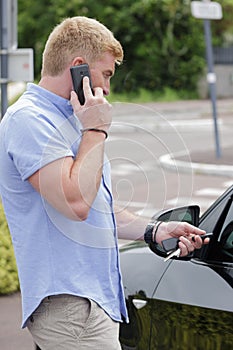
(184, 303)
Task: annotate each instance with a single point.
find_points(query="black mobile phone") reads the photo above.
(77, 74)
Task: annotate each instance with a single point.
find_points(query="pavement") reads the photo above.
(12, 337)
(213, 162)
(204, 162)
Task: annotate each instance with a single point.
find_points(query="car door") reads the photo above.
(192, 307)
(141, 273)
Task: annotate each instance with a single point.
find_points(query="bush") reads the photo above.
(9, 282)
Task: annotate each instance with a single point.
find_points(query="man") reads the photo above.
(56, 192)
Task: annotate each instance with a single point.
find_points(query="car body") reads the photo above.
(184, 303)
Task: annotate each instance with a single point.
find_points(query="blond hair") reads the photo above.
(78, 36)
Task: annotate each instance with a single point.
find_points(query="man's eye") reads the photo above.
(108, 75)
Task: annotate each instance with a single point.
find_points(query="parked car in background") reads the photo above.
(184, 303)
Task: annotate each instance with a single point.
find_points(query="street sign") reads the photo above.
(20, 65)
(206, 10)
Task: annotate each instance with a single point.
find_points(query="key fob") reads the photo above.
(170, 244)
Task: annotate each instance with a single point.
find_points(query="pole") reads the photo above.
(4, 56)
(211, 79)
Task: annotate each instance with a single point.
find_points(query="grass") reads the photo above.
(145, 96)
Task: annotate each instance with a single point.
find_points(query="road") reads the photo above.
(139, 140)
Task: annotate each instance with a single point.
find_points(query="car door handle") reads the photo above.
(139, 303)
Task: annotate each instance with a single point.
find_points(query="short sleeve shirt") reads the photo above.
(55, 255)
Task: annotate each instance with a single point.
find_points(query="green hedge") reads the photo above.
(9, 282)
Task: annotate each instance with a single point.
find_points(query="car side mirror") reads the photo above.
(188, 214)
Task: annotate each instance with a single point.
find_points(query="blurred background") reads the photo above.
(164, 44)
(165, 61)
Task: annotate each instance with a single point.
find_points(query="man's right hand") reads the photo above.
(96, 112)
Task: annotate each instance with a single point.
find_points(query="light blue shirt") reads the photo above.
(54, 254)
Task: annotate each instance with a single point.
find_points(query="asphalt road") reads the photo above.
(142, 136)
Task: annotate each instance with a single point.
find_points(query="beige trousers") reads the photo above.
(67, 322)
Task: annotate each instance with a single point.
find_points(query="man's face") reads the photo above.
(101, 72)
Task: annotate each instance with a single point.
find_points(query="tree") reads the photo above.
(164, 45)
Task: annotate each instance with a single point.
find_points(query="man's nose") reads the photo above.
(106, 89)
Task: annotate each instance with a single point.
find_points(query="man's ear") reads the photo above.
(77, 61)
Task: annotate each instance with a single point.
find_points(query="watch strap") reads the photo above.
(150, 232)
(148, 235)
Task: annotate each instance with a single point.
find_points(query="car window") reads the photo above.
(221, 248)
(209, 221)
(226, 238)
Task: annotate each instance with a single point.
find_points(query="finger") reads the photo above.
(86, 87)
(197, 241)
(98, 92)
(186, 245)
(183, 249)
(74, 100)
(197, 231)
(206, 241)
(190, 229)
(198, 238)
(73, 96)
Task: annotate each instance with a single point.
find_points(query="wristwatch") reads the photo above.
(148, 235)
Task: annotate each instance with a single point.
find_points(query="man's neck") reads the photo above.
(60, 85)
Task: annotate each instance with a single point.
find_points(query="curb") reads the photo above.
(169, 161)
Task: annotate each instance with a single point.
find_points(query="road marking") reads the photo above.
(131, 204)
(168, 161)
(147, 212)
(210, 192)
(142, 123)
(227, 184)
(180, 201)
(125, 169)
(142, 208)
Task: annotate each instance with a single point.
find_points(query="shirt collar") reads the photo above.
(61, 103)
